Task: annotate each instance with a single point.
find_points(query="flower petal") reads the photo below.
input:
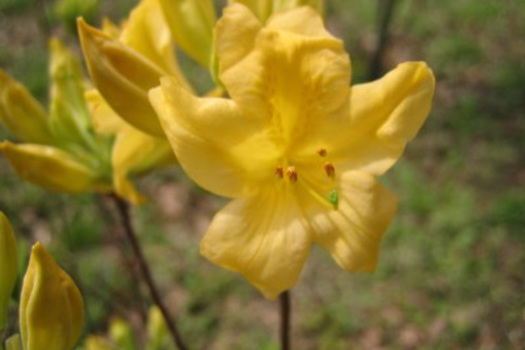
(383, 116)
(103, 118)
(221, 149)
(123, 77)
(264, 8)
(260, 8)
(50, 168)
(135, 153)
(237, 29)
(300, 20)
(235, 35)
(290, 79)
(21, 113)
(352, 234)
(265, 238)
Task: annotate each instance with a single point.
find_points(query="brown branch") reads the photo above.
(123, 209)
(385, 14)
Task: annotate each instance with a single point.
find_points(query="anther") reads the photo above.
(329, 169)
(321, 152)
(279, 172)
(291, 173)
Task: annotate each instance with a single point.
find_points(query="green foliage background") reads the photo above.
(451, 271)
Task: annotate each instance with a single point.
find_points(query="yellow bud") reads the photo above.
(147, 32)
(98, 343)
(157, 329)
(8, 264)
(191, 23)
(51, 306)
(21, 113)
(51, 168)
(13, 342)
(123, 77)
(122, 334)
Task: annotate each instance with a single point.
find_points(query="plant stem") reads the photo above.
(123, 209)
(285, 308)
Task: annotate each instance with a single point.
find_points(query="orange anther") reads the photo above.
(279, 172)
(291, 173)
(329, 169)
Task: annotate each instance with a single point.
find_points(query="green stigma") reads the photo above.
(333, 197)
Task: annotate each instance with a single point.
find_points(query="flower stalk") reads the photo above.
(285, 310)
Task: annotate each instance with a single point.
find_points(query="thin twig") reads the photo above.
(385, 13)
(123, 209)
(285, 308)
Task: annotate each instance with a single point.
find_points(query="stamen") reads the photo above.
(291, 173)
(279, 172)
(321, 152)
(328, 200)
(329, 169)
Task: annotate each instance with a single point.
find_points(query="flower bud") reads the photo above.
(13, 342)
(21, 113)
(94, 342)
(157, 330)
(8, 263)
(123, 77)
(191, 23)
(122, 334)
(69, 118)
(51, 306)
(51, 168)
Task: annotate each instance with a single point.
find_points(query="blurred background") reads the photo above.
(451, 270)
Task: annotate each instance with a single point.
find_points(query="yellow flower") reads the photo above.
(51, 306)
(296, 147)
(8, 263)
